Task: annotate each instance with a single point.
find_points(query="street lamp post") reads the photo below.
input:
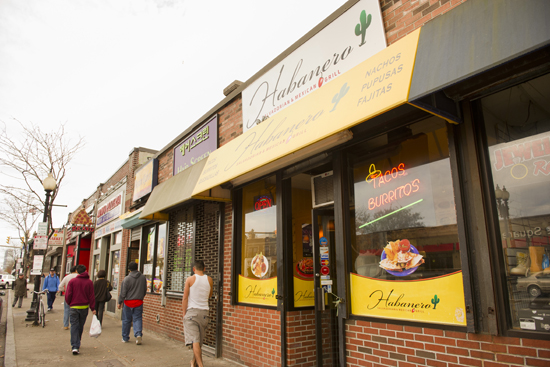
(49, 184)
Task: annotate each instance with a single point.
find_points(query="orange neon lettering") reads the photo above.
(395, 194)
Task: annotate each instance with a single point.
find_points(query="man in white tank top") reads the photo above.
(198, 289)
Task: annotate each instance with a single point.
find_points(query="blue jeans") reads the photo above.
(51, 299)
(78, 319)
(131, 316)
(66, 311)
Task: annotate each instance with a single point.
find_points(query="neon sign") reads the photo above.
(378, 179)
(262, 202)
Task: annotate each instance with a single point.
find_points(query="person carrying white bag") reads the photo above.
(95, 328)
(80, 296)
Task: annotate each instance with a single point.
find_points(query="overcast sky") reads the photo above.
(131, 73)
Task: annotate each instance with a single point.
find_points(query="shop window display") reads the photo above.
(115, 269)
(154, 249)
(302, 241)
(258, 275)
(405, 250)
(517, 126)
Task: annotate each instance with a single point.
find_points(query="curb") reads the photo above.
(10, 358)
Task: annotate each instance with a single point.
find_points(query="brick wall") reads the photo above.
(251, 335)
(301, 338)
(230, 121)
(380, 344)
(401, 17)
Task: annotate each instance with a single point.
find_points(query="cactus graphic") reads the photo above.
(361, 28)
(338, 96)
(273, 292)
(435, 301)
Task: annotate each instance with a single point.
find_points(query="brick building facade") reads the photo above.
(448, 128)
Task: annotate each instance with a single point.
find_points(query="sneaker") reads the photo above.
(125, 341)
(49, 309)
(138, 341)
(66, 327)
(75, 351)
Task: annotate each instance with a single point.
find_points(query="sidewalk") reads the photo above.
(36, 346)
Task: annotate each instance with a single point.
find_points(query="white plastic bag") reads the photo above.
(95, 328)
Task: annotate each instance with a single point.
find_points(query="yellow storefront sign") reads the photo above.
(303, 293)
(373, 87)
(258, 292)
(437, 300)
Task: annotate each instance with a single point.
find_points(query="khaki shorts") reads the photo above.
(194, 325)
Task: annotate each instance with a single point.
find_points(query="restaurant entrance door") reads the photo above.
(326, 320)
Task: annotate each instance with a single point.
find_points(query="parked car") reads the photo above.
(6, 280)
(535, 284)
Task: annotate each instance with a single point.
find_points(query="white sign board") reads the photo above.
(37, 263)
(353, 37)
(42, 229)
(40, 242)
(57, 238)
(148, 269)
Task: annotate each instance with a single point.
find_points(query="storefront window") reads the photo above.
(159, 261)
(405, 249)
(118, 238)
(258, 276)
(115, 269)
(517, 125)
(96, 265)
(302, 241)
(149, 248)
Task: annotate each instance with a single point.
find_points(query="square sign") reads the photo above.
(40, 242)
(42, 229)
(37, 265)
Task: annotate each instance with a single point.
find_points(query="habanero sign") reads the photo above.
(196, 146)
(111, 210)
(350, 39)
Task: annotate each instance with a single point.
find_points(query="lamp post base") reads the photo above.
(30, 315)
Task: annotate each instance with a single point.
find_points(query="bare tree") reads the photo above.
(31, 156)
(20, 212)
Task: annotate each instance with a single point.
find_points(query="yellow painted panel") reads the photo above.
(377, 85)
(437, 300)
(303, 293)
(258, 292)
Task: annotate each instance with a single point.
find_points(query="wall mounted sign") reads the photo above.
(112, 209)
(81, 228)
(371, 88)
(40, 242)
(438, 300)
(145, 179)
(258, 292)
(197, 146)
(81, 217)
(262, 202)
(57, 238)
(350, 39)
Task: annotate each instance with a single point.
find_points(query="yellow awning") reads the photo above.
(373, 87)
(178, 190)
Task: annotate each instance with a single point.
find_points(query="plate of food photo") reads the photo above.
(259, 265)
(400, 258)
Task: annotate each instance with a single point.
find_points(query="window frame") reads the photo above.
(143, 252)
(502, 297)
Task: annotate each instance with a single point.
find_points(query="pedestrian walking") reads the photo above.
(102, 291)
(20, 290)
(132, 293)
(51, 283)
(80, 296)
(63, 288)
(197, 291)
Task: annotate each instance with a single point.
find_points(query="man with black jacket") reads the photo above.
(132, 293)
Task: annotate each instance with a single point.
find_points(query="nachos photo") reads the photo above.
(400, 256)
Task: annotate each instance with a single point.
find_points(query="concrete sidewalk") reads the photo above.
(35, 346)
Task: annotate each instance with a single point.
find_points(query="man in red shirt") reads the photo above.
(79, 296)
(132, 293)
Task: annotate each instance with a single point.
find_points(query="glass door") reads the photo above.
(324, 268)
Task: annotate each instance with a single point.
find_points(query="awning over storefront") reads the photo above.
(450, 52)
(373, 87)
(130, 220)
(178, 190)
